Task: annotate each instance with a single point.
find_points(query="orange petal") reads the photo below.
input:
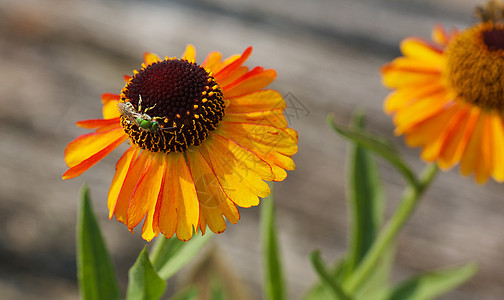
(146, 193)
(122, 168)
(257, 80)
(419, 111)
(180, 207)
(87, 163)
(459, 135)
(475, 156)
(89, 144)
(189, 53)
(95, 123)
(133, 176)
(235, 64)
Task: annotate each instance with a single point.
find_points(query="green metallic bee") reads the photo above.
(142, 120)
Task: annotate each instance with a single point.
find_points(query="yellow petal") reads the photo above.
(150, 58)
(189, 53)
(180, 206)
(422, 51)
(408, 95)
(259, 101)
(213, 61)
(497, 139)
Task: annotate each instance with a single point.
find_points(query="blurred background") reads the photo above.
(58, 56)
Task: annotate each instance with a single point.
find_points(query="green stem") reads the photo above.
(325, 277)
(390, 231)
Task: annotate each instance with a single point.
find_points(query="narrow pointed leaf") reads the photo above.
(432, 284)
(95, 272)
(378, 145)
(171, 255)
(274, 282)
(144, 283)
(366, 200)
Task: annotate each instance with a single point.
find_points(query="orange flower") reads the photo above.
(203, 140)
(449, 98)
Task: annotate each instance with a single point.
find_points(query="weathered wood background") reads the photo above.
(57, 57)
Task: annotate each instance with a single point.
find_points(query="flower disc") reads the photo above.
(475, 65)
(181, 96)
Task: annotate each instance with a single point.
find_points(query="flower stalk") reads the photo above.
(408, 204)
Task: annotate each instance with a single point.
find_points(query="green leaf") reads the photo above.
(328, 281)
(366, 200)
(144, 283)
(378, 145)
(188, 294)
(170, 255)
(274, 283)
(95, 271)
(432, 284)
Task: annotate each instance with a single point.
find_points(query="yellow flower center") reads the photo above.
(171, 105)
(475, 65)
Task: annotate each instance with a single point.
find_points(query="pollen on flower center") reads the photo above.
(475, 65)
(174, 104)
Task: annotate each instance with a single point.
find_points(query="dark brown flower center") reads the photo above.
(174, 104)
(494, 39)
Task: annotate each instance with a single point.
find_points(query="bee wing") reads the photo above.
(127, 110)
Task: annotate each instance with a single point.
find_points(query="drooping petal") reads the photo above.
(146, 193)
(133, 176)
(497, 138)
(122, 168)
(212, 194)
(456, 141)
(179, 211)
(474, 157)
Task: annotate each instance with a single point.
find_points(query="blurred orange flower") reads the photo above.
(203, 138)
(449, 98)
